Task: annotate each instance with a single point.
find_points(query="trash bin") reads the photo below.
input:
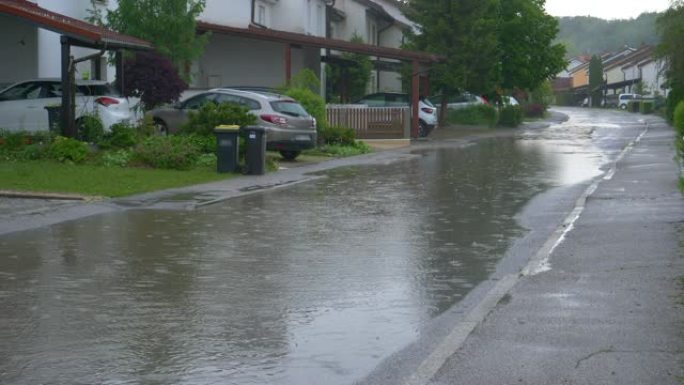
(227, 146)
(255, 154)
(54, 118)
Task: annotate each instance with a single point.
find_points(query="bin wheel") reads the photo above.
(290, 155)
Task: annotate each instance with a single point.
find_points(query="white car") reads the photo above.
(624, 99)
(22, 105)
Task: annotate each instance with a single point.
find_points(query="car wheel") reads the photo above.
(290, 155)
(160, 127)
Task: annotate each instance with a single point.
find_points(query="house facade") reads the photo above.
(229, 60)
(32, 52)
(379, 23)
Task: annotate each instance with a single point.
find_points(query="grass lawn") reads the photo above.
(46, 176)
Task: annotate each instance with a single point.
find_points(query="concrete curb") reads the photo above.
(53, 196)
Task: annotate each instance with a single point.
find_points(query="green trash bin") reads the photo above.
(255, 154)
(227, 148)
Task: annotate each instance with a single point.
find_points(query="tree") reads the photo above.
(596, 81)
(152, 78)
(170, 25)
(465, 33)
(529, 56)
(671, 30)
(350, 81)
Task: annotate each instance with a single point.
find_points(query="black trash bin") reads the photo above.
(54, 118)
(227, 148)
(255, 154)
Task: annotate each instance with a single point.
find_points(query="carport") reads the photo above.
(73, 32)
(420, 61)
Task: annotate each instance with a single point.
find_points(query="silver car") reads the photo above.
(289, 128)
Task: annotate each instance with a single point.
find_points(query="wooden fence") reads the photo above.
(372, 122)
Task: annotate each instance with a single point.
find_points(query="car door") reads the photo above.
(175, 117)
(21, 108)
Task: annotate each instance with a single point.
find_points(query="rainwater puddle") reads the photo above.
(313, 284)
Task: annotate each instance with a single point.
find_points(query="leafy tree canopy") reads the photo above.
(529, 56)
(168, 24)
(671, 30)
(591, 35)
(596, 80)
(152, 78)
(465, 32)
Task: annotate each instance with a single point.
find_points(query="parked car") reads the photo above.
(427, 112)
(22, 105)
(462, 100)
(289, 128)
(509, 101)
(624, 99)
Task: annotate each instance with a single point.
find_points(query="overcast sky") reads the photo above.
(605, 9)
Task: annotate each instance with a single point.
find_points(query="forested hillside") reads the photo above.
(583, 34)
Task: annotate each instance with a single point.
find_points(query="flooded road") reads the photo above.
(311, 284)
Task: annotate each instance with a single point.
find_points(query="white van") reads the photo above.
(624, 99)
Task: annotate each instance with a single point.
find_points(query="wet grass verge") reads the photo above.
(47, 176)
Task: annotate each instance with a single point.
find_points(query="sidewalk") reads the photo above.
(609, 309)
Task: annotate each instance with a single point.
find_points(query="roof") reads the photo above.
(82, 33)
(319, 42)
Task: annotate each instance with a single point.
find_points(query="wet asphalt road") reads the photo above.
(354, 276)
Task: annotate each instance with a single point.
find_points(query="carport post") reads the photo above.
(67, 122)
(415, 85)
(288, 63)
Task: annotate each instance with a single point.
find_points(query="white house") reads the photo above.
(650, 72)
(379, 23)
(31, 52)
(232, 60)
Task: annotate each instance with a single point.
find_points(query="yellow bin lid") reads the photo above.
(227, 127)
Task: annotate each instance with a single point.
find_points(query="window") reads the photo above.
(261, 14)
(372, 33)
(238, 100)
(198, 101)
(29, 90)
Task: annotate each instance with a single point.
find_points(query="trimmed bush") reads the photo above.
(117, 158)
(678, 121)
(167, 152)
(646, 107)
(338, 135)
(474, 116)
(510, 116)
(121, 136)
(313, 103)
(68, 150)
(211, 115)
(90, 128)
(205, 143)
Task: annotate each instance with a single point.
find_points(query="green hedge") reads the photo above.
(678, 121)
(479, 115)
(510, 116)
(646, 107)
(633, 106)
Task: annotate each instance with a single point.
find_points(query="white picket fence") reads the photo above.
(372, 122)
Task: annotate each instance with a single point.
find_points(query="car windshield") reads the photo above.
(289, 107)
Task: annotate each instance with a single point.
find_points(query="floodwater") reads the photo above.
(312, 284)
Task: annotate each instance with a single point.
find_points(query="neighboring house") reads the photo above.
(379, 23)
(617, 80)
(580, 75)
(231, 60)
(34, 52)
(650, 71)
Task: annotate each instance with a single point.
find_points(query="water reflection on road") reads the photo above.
(306, 285)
